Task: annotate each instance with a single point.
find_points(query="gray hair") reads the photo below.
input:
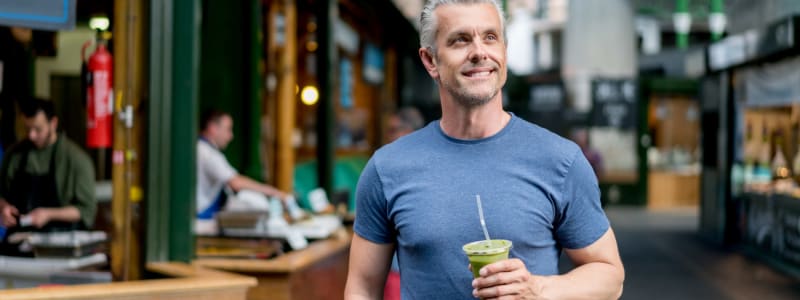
(427, 20)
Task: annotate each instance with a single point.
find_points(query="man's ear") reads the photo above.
(54, 122)
(429, 61)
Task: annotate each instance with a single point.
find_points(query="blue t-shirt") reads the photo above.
(537, 190)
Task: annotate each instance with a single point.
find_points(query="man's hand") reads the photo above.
(508, 279)
(40, 217)
(8, 214)
(598, 274)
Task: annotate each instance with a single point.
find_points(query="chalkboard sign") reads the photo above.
(546, 98)
(546, 102)
(614, 103)
(38, 14)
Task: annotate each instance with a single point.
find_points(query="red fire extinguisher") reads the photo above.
(99, 95)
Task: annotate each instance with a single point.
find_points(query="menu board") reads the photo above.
(614, 103)
(546, 103)
(38, 14)
(771, 224)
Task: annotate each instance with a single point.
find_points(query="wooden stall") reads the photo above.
(187, 283)
(316, 272)
(674, 179)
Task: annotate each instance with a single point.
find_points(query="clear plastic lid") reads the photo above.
(485, 247)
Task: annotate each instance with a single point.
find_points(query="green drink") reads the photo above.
(485, 252)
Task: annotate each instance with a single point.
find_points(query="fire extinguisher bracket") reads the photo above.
(126, 116)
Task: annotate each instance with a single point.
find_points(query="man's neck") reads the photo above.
(53, 140)
(208, 140)
(474, 122)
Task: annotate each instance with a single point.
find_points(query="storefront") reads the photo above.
(751, 99)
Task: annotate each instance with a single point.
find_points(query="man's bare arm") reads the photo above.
(599, 273)
(43, 215)
(369, 265)
(8, 213)
(241, 182)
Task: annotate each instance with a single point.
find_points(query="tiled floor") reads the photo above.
(665, 258)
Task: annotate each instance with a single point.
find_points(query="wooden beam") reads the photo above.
(129, 64)
(286, 101)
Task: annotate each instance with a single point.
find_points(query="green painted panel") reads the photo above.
(185, 54)
(229, 79)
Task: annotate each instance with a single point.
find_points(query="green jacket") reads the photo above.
(75, 178)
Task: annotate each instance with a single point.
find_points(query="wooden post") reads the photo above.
(286, 101)
(129, 47)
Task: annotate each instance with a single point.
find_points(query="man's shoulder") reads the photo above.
(19, 147)
(205, 151)
(411, 144)
(544, 138)
(73, 150)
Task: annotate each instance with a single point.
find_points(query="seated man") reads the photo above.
(46, 181)
(214, 172)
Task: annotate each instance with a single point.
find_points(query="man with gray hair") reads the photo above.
(417, 194)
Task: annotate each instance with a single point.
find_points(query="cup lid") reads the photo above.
(489, 247)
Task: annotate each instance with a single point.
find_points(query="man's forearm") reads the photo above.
(240, 182)
(358, 297)
(590, 281)
(65, 214)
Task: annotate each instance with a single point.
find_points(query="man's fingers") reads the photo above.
(507, 265)
(516, 276)
(498, 291)
(8, 217)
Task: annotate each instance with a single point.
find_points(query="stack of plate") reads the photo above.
(67, 244)
(240, 219)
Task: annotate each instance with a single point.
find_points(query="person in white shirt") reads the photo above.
(214, 172)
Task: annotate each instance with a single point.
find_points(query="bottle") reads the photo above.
(796, 161)
(749, 156)
(780, 168)
(763, 173)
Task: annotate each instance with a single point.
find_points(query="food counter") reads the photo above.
(190, 283)
(771, 228)
(316, 272)
(669, 189)
(22, 272)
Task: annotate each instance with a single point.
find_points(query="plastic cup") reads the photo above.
(484, 252)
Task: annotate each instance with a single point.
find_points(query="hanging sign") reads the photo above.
(546, 102)
(614, 103)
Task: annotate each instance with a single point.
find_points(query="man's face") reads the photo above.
(40, 131)
(222, 131)
(470, 63)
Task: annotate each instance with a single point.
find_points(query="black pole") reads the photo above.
(326, 15)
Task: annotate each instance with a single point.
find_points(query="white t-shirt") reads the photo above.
(213, 171)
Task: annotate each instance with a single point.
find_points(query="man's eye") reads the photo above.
(491, 37)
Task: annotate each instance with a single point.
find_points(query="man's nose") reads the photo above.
(478, 51)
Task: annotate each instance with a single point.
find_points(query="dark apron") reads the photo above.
(28, 192)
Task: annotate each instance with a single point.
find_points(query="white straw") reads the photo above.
(483, 222)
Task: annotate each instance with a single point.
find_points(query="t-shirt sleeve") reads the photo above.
(215, 166)
(581, 218)
(85, 199)
(372, 222)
